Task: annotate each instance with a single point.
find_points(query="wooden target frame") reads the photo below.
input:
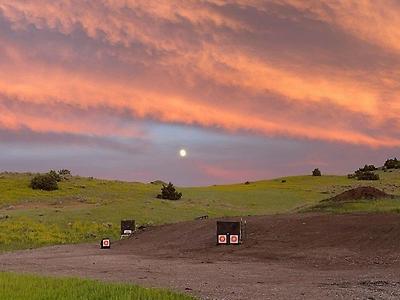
(230, 232)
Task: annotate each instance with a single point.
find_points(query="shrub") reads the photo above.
(158, 182)
(46, 182)
(392, 163)
(367, 168)
(367, 175)
(64, 174)
(316, 172)
(169, 192)
(55, 175)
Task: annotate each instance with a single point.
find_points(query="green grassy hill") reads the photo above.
(86, 209)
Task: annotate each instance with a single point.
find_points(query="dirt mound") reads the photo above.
(296, 256)
(307, 238)
(360, 193)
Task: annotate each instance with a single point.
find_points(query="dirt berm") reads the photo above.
(360, 193)
(301, 256)
(306, 239)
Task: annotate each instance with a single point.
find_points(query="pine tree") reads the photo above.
(169, 192)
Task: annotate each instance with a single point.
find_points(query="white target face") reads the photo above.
(106, 243)
(222, 239)
(234, 239)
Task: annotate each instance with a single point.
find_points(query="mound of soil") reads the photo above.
(296, 256)
(309, 238)
(360, 193)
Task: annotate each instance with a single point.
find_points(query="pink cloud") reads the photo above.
(187, 62)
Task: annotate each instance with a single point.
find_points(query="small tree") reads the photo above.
(169, 192)
(55, 175)
(46, 182)
(392, 163)
(316, 172)
(64, 174)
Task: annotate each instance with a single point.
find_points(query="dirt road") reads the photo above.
(310, 256)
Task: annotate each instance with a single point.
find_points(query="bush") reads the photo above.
(46, 182)
(64, 174)
(367, 175)
(368, 168)
(55, 175)
(316, 172)
(392, 163)
(169, 192)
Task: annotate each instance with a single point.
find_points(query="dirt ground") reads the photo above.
(299, 256)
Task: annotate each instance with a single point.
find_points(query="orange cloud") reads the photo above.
(61, 121)
(184, 80)
(373, 21)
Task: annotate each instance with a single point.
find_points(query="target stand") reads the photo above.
(229, 233)
(128, 227)
(105, 243)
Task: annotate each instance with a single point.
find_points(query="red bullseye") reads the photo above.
(105, 244)
(222, 239)
(234, 239)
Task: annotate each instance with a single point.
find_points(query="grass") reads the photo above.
(87, 209)
(13, 286)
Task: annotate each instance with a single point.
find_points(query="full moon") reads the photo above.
(182, 153)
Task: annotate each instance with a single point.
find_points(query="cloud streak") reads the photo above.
(238, 66)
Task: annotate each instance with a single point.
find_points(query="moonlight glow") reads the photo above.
(182, 153)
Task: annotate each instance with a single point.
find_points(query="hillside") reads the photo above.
(86, 209)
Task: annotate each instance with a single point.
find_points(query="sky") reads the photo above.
(251, 89)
